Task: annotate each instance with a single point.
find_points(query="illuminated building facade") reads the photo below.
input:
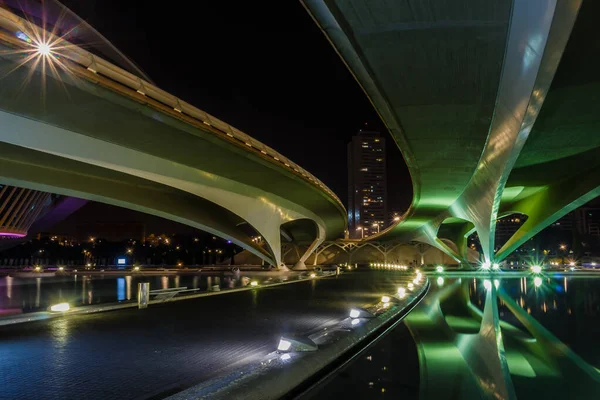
(367, 189)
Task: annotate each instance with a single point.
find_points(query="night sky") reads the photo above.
(264, 67)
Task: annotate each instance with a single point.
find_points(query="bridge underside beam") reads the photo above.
(30, 169)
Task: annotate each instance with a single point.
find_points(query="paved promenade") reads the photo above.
(152, 353)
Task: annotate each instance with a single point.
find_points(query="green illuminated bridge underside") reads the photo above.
(494, 105)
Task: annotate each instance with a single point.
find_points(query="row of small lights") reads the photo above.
(388, 266)
(64, 307)
(47, 49)
(286, 345)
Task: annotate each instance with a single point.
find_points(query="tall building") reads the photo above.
(367, 189)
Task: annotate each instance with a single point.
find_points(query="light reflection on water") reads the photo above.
(565, 307)
(568, 307)
(35, 294)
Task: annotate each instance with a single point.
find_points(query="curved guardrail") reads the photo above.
(97, 65)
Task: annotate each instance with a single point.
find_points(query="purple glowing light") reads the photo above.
(11, 234)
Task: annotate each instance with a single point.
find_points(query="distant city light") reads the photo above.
(410, 286)
(61, 307)
(136, 268)
(61, 268)
(253, 283)
(401, 292)
(485, 265)
(439, 269)
(385, 299)
(121, 261)
(537, 281)
(313, 275)
(495, 266)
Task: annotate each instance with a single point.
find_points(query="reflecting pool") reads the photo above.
(38, 293)
(536, 338)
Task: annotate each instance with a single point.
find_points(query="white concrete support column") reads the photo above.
(300, 265)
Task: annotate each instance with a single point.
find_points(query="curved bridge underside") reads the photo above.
(74, 131)
(489, 103)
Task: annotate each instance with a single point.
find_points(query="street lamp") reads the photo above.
(362, 232)
(376, 225)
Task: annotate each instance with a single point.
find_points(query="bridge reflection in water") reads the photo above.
(531, 336)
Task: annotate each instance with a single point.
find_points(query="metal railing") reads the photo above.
(97, 65)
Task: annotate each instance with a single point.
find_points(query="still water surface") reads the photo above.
(37, 294)
(566, 307)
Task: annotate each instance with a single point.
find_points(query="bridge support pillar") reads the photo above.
(300, 265)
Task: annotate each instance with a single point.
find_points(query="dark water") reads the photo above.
(35, 294)
(567, 308)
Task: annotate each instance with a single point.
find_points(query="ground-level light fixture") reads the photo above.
(293, 343)
(253, 283)
(360, 313)
(312, 275)
(60, 307)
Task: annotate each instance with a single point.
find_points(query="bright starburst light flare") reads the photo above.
(42, 51)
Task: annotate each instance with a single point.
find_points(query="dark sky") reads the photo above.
(262, 66)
